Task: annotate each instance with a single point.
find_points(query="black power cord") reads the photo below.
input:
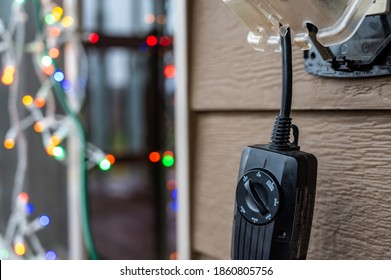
(283, 123)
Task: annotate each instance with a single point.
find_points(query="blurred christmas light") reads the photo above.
(44, 220)
(93, 38)
(23, 197)
(27, 100)
(174, 194)
(168, 160)
(171, 185)
(168, 153)
(55, 140)
(66, 85)
(58, 76)
(154, 156)
(48, 70)
(29, 209)
(49, 149)
(174, 206)
(39, 102)
(54, 53)
(174, 256)
(151, 40)
(46, 61)
(67, 21)
(110, 158)
(7, 77)
(9, 143)
(165, 41)
(4, 254)
(149, 18)
(161, 19)
(169, 71)
(20, 1)
(50, 19)
(39, 127)
(58, 152)
(104, 165)
(51, 255)
(20, 249)
(57, 13)
(55, 31)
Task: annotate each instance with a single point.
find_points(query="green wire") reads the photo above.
(59, 92)
(84, 190)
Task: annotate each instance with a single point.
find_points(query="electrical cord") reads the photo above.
(283, 123)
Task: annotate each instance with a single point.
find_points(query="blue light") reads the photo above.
(44, 220)
(59, 76)
(66, 85)
(174, 194)
(51, 255)
(174, 206)
(29, 209)
(143, 47)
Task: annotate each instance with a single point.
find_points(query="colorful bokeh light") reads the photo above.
(104, 165)
(39, 102)
(93, 38)
(44, 220)
(23, 197)
(27, 100)
(9, 143)
(169, 71)
(20, 249)
(151, 40)
(58, 76)
(51, 255)
(59, 152)
(154, 156)
(7, 78)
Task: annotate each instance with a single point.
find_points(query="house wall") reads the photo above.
(346, 123)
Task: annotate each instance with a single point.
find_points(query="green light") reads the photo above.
(168, 161)
(104, 165)
(19, 1)
(4, 254)
(58, 153)
(50, 19)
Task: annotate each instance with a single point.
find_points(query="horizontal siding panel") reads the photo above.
(227, 74)
(353, 204)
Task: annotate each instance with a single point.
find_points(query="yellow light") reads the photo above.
(20, 249)
(55, 140)
(57, 13)
(39, 127)
(67, 21)
(8, 75)
(9, 143)
(27, 100)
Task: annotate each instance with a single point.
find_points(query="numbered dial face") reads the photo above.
(258, 197)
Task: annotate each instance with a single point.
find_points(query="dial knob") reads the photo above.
(258, 196)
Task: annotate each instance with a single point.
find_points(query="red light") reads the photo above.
(151, 41)
(154, 157)
(93, 38)
(169, 71)
(165, 41)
